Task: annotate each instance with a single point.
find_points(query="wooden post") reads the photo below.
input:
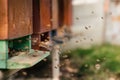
(55, 62)
(55, 51)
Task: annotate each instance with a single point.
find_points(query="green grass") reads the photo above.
(107, 56)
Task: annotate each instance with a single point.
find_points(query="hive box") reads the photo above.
(65, 13)
(15, 18)
(41, 16)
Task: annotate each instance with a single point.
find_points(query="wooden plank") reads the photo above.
(45, 15)
(36, 16)
(15, 18)
(41, 16)
(26, 60)
(3, 19)
(67, 12)
(19, 18)
(61, 13)
(54, 14)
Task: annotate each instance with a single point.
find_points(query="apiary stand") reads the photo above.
(55, 62)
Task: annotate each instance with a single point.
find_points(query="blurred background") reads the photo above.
(97, 21)
(93, 52)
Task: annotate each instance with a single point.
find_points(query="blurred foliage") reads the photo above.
(97, 62)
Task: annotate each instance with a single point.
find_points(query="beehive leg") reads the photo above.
(3, 54)
(55, 62)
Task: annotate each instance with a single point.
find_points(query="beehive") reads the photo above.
(41, 16)
(65, 12)
(15, 18)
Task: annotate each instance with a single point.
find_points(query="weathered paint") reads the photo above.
(3, 53)
(27, 60)
(15, 18)
(23, 43)
(3, 19)
(19, 18)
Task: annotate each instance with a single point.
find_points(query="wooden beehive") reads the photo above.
(41, 16)
(41, 22)
(15, 18)
(48, 16)
(65, 12)
(55, 14)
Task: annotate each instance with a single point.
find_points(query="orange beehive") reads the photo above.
(15, 18)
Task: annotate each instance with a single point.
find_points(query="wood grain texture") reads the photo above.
(19, 18)
(41, 16)
(3, 19)
(54, 14)
(67, 12)
(45, 15)
(15, 18)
